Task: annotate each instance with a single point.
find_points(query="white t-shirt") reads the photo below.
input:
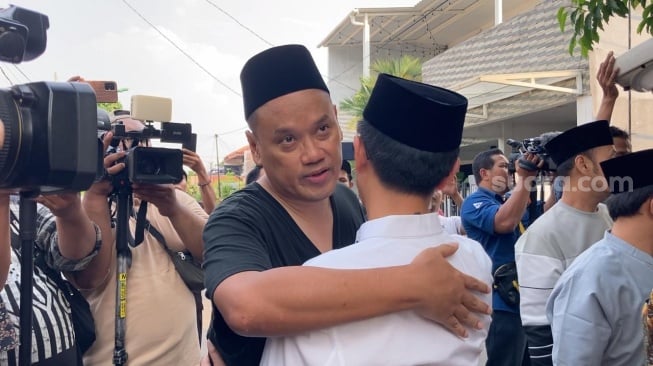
(402, 338)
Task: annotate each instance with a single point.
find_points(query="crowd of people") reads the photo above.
(300, 269)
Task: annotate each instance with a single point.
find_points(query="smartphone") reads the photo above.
(105, 91)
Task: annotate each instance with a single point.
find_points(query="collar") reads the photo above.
(491, 193)
(400, 226)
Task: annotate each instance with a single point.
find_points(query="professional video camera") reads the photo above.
(50, 127)
(146, 164)
(533, 145)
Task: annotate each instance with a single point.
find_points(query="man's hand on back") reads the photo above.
(448, 294)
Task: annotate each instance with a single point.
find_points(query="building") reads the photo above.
(508, 57)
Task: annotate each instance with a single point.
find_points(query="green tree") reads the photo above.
(406, 67)
(110, 107)
(588, 16)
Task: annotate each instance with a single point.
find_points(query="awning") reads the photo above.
(485, 89)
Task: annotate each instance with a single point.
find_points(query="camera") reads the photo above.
(50, 129)
(533, 145)
(153, 165)
(635, 67)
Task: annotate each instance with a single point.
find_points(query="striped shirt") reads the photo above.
(52, 333)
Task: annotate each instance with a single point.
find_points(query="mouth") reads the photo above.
(317, 176)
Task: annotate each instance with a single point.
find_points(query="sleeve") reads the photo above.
(537, 274)
(458, 223)
(47, 240)
(540, 344)
(233, 243)
(579, 324)
(479, 213)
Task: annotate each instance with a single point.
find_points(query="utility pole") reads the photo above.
(217, 161)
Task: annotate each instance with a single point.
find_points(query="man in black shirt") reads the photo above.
(257, 239)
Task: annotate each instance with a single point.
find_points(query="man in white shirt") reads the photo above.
(399, 165)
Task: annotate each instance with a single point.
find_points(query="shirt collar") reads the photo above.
(491, 193)
(400, 226)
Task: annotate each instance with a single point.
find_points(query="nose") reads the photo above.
(313, 151)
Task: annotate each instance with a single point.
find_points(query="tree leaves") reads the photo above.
(406, 67)
(588, 16)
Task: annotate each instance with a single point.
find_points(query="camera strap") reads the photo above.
(141, 224)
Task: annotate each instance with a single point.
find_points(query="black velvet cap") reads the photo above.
(631, 169)
(426, 117)
(347, 150)
(276, 72)
(578, 139)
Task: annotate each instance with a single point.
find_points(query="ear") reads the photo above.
(454, 170)
(583, 164)
(335, 114)
(360, 155)
(253, 147)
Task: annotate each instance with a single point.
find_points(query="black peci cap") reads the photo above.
(276, 72)
(578, 139)
(629, 172)
(426, 117)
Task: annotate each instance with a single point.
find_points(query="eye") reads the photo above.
(287, 139)
(324, 128)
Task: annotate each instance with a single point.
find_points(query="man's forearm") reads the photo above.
(95, 273)
(606, 108)
(288, 300)
(189, 227)
(510, 213)
(208, 198)
(76, 234)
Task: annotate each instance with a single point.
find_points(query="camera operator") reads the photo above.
(161, 325)
(562, 233)
(494, 223)
(67, 241)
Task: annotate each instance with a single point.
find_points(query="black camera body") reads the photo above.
(153, 165)
(50, 127)
(533, 145)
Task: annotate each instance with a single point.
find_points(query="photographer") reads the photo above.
(578, 220)
(494, 223)
(68, 242)
(161, 324)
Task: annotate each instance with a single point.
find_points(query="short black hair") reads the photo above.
(404, 168)
(564, 169)
(253, 174)
(347, 168)
(627, 204)
(618, 132)
(483, 160)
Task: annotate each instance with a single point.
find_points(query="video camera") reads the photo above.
(145, 164)
(533, 145)
(50, 129)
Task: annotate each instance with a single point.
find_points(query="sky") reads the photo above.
(147, 54)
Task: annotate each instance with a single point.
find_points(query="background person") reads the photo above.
(594, 308)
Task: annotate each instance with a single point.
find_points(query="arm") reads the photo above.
(75, 232)
(537, 275)
(187, 224)
(606, 77)
(95, 202)
(451, 190)
(193, 161)
(510, 213)
(253, 304)
(579, 325)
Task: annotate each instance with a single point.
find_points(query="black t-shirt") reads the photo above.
(251, 231)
